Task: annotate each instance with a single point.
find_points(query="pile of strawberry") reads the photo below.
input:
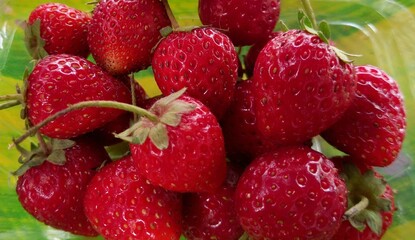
(228, 151)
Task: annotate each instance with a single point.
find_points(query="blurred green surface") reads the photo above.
(382, 31)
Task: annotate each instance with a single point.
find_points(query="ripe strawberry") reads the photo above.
(253, 53)
(123, 33)
(301, 87)
(291, 193)
(212, 215)
(57, 28)
(53, 193)
(183, 150)
(373, 128)
(243, 141)
(58, 81)
(202, 60)
(245, 22)
(373, 220)
(121, 204)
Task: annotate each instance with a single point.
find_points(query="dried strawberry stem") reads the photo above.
(42, 144)
(133, 96)
(310, 12)
(85, 104)
(174, 23)
(11, 97)
(10, 104)
(364, 202)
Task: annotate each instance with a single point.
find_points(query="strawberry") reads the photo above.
(301, 87)
(55, 28)
(363, 183)
(245, 22)
(58, 81)
(183, 149)
(204, 61)
(53, 193)
(373, 128)
(212, 215)
(123, 33)
(254, 51)
(243, 141)
(121, 204)
(291, 193)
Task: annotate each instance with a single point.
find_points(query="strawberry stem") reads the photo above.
(310, 12)
(170, 14)
(10, 97)
(133, 96)
(9, 104)
(42, 144)
(356, 209)
(85, 104)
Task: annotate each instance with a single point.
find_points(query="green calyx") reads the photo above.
(365, 201)
(34, 42)
(52, 151)
(169, 111)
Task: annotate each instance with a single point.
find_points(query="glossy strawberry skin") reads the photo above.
(302, 87)
(243, 141)
(53, 194)
(60, 80)
(291, 193)
(202, 60)
(121, 204)
(194, 160)
(213, 215)
(245, 22)
(254, 51)
(373, 128)
(63, 28)
(123, 33)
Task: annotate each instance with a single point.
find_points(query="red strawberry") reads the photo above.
(57, 28)
(291, 193)
(373, 128)
(203, 60)
(243, 141)
(58, 81)
(121, 204)
(183, 150)
(254, 51)
(53, 193)
(212, 215)
(245, 22)
(302, 87)
(372, 220)
(123, 33)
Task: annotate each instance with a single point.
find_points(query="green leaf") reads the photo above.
(323, 37)
(159, 137)
(172, 115)
(374, 222)
(34, 42)
(61, 144)
(168, 99)
(57, 156)
(324, 27)
(281, 25)
(141, 135)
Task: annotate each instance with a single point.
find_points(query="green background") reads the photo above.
(382, 31)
